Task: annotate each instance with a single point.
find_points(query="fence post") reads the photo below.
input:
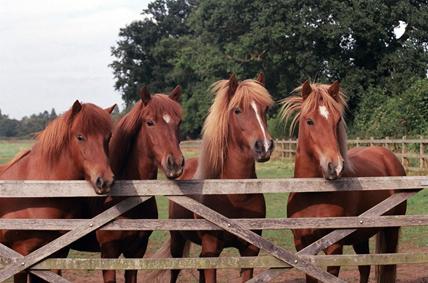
(371, 141)
(403, 151)
(421, 154)
(386, 144)
(357, 143)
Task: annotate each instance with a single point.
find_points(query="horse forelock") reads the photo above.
(294, 106)
(216, 126)
(55, 137)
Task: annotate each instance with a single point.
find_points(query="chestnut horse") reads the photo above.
(72, 147)
(234, 137)
(143, 140)
(322, 152)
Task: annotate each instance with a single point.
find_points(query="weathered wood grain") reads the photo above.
(202, 224)
(236, 229)
(69, 237)
(8, 253)
(22, 189)
(226, 262)
(338, 235)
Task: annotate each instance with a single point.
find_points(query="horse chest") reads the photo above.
(237, 206)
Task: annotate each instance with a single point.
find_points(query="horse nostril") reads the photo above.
(170, 161)
(99, 182)
(331, 169)
(182, 162)
(258, 146)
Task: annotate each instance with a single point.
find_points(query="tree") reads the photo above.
(291, 41)
(137, 60)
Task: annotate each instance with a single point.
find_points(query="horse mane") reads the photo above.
(215, 131)
(127, 128)
(294, 105)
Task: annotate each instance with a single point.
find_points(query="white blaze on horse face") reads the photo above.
(324, 112)
(266, 142)
(339, 167)
(166, 118)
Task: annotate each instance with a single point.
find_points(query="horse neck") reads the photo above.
(140, 164)
(306, 166)
(238, 164)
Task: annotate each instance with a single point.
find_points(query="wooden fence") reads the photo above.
(413, 153)
(279, 258)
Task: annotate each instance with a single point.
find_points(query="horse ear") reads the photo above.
(176, 93)
(233, 85)
(333, 90)
(77, 106)
(261, 78)
(111, 108)
(145, 94)
(306, 89)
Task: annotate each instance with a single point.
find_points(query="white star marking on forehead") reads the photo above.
(166, 118)
(324, 112)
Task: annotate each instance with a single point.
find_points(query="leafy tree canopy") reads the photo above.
(194, 43)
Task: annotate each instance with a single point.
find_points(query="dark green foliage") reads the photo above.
(405, 114)
(194, 43)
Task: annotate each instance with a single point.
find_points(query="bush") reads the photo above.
(405, 114)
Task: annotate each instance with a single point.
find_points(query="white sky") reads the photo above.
(53, 52)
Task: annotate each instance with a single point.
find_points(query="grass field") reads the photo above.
(276, 203)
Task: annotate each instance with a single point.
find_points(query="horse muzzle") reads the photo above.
(263, 150)
(103, 185)
(333, 172)
(173, 168)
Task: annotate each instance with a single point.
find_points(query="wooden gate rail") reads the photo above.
(41, 189)
(251, 237)
(229, 262)
(177, 191)
(202, 224)
(337, 235)
(68, 238)
(48, 276)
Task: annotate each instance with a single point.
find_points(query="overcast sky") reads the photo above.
(53, 52)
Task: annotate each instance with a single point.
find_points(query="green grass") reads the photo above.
(8, 149)
(276, 203)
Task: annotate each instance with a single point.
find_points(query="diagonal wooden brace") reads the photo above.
(338, 235)
(48, 276)
(71, 236)
(236, 229)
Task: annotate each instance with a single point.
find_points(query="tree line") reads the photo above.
(196, 42)
(26, 127)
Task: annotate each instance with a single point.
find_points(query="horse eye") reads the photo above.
(150, 123)
(310, 122)
(238, 110)
(80, 138)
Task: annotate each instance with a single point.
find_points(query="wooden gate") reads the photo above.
(279, 258)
